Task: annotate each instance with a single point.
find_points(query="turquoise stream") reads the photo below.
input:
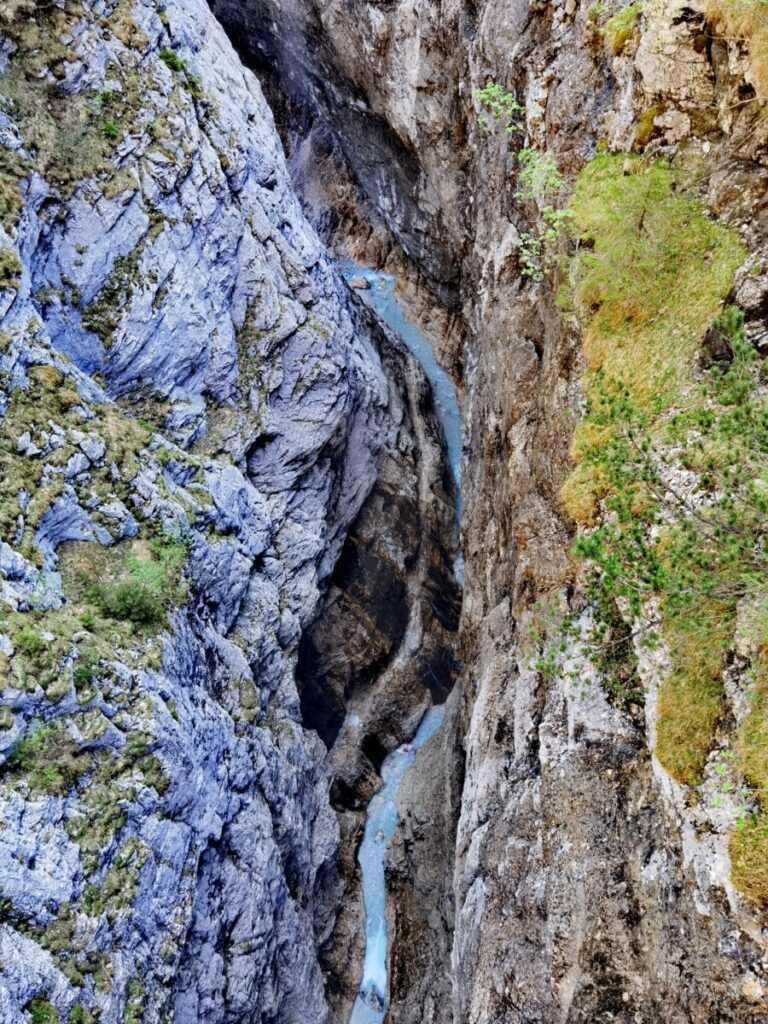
(381, 297)
(371, 1004)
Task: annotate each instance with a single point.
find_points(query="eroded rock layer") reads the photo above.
(589, 883)
(193, 412)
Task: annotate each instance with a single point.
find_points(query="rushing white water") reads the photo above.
(371, 1003)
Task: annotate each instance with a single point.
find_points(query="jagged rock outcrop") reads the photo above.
(192, 411)
(587, 885)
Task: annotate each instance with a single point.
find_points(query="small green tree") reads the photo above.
(502, 109)
(540, 182)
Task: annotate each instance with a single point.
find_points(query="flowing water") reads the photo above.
(371, 1004)
(381, 297)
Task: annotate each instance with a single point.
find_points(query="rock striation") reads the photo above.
(194, 410)
(587, 884)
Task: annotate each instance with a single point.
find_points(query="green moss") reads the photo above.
(41, 1012)
(10, 269)
(79, 1015)
(645, 126)
(47, 759)
(619, 28)
(171, 59)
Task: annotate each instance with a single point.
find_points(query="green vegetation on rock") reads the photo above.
(10, 269)
(501, 109)
(649, 277)
(41, 1012)
(171, 59)
(619, 28)
(671, 486)
(48, 759)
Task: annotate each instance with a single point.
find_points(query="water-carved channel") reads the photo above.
(370, 1006)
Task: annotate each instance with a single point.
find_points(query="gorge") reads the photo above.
(232, 586)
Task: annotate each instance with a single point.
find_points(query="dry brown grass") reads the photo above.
(691, 697)
(747, 22)
(748, 849)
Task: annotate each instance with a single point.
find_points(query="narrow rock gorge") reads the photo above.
(233, 578)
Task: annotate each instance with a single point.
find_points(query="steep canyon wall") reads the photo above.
(587, 883)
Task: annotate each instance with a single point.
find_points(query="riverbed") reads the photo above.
(371, 1003)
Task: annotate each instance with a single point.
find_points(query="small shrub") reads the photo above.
(85, 671)
(41, 1012)
(141, 583)
(541, 182)
(127, 600)
(502, 107)
(172, 60)
(29, 642)
(79, 1015)
(111, 130)
(10, 269)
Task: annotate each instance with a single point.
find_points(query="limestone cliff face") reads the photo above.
(587, 886)
(193, 412)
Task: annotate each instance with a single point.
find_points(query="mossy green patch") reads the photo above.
(619, 28)
(79, 1015)
(645, 125)
(134, 1009)
(691, 696)
(748, 849)
(10, 269)
(649, 276)
(47, 759)
(41, 1011)
(103, 313)
(135, 582)
(118, 888)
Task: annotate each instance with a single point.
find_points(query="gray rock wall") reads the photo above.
(191, 413)
(585, 888)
